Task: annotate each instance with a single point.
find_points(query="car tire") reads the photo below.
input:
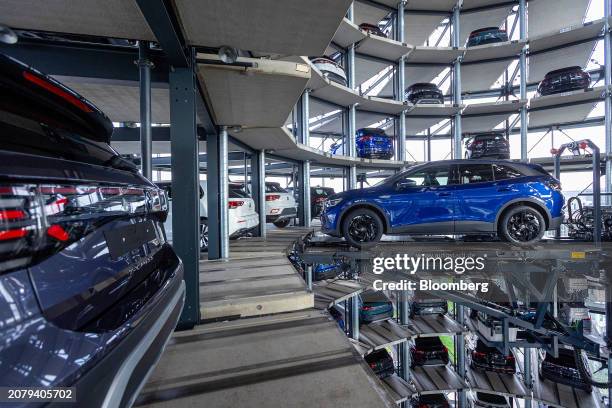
(361, 227)
(282, 223)
(203, 235)
(522, 225)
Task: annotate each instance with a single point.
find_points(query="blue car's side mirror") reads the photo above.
(404, 184)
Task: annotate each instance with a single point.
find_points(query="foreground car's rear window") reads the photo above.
(26, 127)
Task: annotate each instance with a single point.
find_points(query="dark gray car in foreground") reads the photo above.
(90, 291)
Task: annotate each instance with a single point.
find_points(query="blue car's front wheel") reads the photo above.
(362, 226)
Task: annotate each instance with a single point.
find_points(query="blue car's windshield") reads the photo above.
(387, 179)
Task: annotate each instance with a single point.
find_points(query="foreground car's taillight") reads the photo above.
(37, 220)
(19, 225)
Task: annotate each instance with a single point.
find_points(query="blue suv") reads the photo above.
(516, 201)
(371, 143)
(90, 290)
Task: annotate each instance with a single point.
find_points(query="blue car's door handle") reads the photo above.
(444, 194)
(504, 189)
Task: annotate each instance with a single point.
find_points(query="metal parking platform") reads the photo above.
(382, 334)
(509, 385)
(436, 379)
(331, 292)
(398, 388)
(555, 394)
(433, 325)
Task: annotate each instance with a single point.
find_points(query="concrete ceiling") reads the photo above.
(289, 27)
(262, 95)
(109, 18)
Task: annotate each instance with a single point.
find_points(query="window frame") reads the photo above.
(450, 181)
(458, 178)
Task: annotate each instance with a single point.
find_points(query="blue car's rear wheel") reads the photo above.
(522, 225)
(362, 226)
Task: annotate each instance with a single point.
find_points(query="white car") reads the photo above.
(330, 69)
(242, 215)
(281, 207)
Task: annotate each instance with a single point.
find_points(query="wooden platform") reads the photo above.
(258, 279)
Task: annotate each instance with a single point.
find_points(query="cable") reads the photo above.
(585, 374)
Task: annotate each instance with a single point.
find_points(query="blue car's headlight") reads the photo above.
(332, 203)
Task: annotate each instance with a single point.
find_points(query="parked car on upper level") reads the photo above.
(381, 362)
(90, 290)
(330, 69)
(422, 303)
(370, 143)
(429, 401)
(487, 35)
(483, 357)
(425, 93)
(486, 400)
(564, 370)
(318, 195)
(373, 306)
(373, 143)
(281, 207)
(516, 201)
(428, 351)
(564, 80)
(372, 29)
(492, 145)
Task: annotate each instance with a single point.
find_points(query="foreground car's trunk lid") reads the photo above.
(80, 219)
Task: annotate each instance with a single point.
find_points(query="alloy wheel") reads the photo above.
(203, 237)
(363, 228)
(524, 226)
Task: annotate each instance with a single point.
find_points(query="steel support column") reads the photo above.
(185, 187)
(308, 277)
(258, 185)
(305, 118)
(352, 111)
(460, 356)
(608, 100)
(352, 151)
(401, 137)
(304, 167)
(146, 134)
(354, 307)
(608, 337)
(217, 174)
(523, 78)
(457, 133)
(527, 376)
(304, 193)
(404, 350)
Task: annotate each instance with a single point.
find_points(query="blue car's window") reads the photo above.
(475, 173)
(432, 176)
(505, 172)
